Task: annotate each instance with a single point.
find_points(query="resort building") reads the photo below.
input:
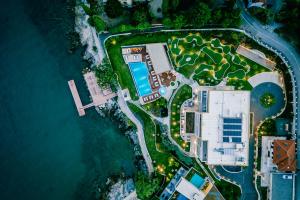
(277, 155)
(266, 165)
(195, 189)
(284, 155)
(222, 130)
(189, 185)
(282, 186)
(150, 69)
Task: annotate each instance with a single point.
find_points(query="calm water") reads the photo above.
(46, 150)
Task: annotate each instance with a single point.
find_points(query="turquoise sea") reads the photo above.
(46, 150)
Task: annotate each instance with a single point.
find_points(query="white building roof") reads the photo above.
(158, 57)
(187, 189)
(226, 104)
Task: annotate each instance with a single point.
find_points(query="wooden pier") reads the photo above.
(98, 95)
(76, 98)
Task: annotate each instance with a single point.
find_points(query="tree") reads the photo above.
(86, 9)
(143, 26)
(179, 22)
(113, 8)
(97, 22)
(140, 14)
(216, 16)
(199, 15)
(167, 22)
(145, 186)
(96, 7)
(105, 75)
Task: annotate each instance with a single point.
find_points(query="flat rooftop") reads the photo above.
(282, 186)
(159, 57)
(189, 190)
(256, 56)
(225, 127)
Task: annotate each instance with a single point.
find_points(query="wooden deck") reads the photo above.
(76, 98)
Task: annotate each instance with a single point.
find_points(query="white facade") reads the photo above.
(215, 150)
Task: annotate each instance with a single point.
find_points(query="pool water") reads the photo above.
(181, 197)
(140, 74)
(162, 91)
(197, 180)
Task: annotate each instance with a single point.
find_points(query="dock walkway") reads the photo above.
(76, 98)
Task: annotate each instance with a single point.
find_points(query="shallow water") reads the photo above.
(46, 150)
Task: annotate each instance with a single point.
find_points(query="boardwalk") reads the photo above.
(76, 98)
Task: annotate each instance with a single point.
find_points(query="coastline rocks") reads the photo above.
(123, 189)
(88, 37)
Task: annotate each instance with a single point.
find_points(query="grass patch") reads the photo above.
(267, 100)
(216, 57)
(228, 190)
(158, 108)
(184, 93)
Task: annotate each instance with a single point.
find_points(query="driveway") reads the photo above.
(245, 177)
(291, 55)
(260, 112)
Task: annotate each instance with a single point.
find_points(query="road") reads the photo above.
(292, 57)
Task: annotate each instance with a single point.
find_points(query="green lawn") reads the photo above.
(211, 61)
(184, 93)
(228, 190)
(158, 108)
(216, 57)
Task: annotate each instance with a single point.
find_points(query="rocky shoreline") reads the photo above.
(116, 187)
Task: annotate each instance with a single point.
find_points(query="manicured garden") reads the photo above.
(184, 93)
(267, 100)
(210, 61)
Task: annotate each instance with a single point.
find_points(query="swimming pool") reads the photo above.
(197, 180)
(140, 74)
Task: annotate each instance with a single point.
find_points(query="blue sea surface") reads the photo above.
(46, 150)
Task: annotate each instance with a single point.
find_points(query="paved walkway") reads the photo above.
(140, 131)
(263, 77)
